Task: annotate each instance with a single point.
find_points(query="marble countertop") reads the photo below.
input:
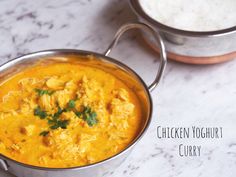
(188, 95)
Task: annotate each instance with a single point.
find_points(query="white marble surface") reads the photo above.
(188, 95)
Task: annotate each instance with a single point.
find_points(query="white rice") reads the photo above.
(192, 15)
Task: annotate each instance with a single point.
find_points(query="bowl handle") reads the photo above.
(158, 39)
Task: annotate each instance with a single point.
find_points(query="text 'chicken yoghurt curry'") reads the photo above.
(66, 114)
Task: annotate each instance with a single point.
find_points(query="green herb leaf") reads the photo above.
(63, 124)
(87, 109)
(39, 112)
(71, 104)
(78, 114)
(55, 126)
(60, 123)
(51, 121)
(43, 92)
(44, 133)
(90, 116)
(91, 119)
(55, 122)
(58, 113)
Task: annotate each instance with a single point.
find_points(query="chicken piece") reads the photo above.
(117, 136)
(70, 86)
(57, 138)
(11, 95)
(55, 83)
(47, 102)
(84, 141)
(120, 106)
(63, 144)
(121, 109)
(86, 137)
(89, 90)
(27, 105)
(120, 124)
(27, 83)
(62, 97)
(16, 148)
(27, 130)
(100, 108)
(121, 94)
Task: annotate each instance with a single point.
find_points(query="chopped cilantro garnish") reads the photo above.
(39, 112)
(44, 133)
(91, 119)
(58, 113)
(43, 92)
(78, 114)
(87, 109)
(71, 104)
(89, 116)
(51, 121)
(60, 123)
(55, 122)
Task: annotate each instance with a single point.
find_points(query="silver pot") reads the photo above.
(104, 167)
(190, 43)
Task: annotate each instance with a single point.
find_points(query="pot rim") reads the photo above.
(135, 4)
(98, 56)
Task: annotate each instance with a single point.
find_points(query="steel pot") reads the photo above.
(104, 167)
(191, 46)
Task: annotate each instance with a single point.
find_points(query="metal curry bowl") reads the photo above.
(190, 46)
(104, 167)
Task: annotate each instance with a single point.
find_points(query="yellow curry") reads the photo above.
(66, 114)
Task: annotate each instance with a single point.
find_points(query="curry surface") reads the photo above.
(66, 114)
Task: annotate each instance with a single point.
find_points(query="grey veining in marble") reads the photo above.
(188, 95)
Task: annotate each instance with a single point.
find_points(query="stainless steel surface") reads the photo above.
(156, 36)
(103, 168)
(190, 43)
